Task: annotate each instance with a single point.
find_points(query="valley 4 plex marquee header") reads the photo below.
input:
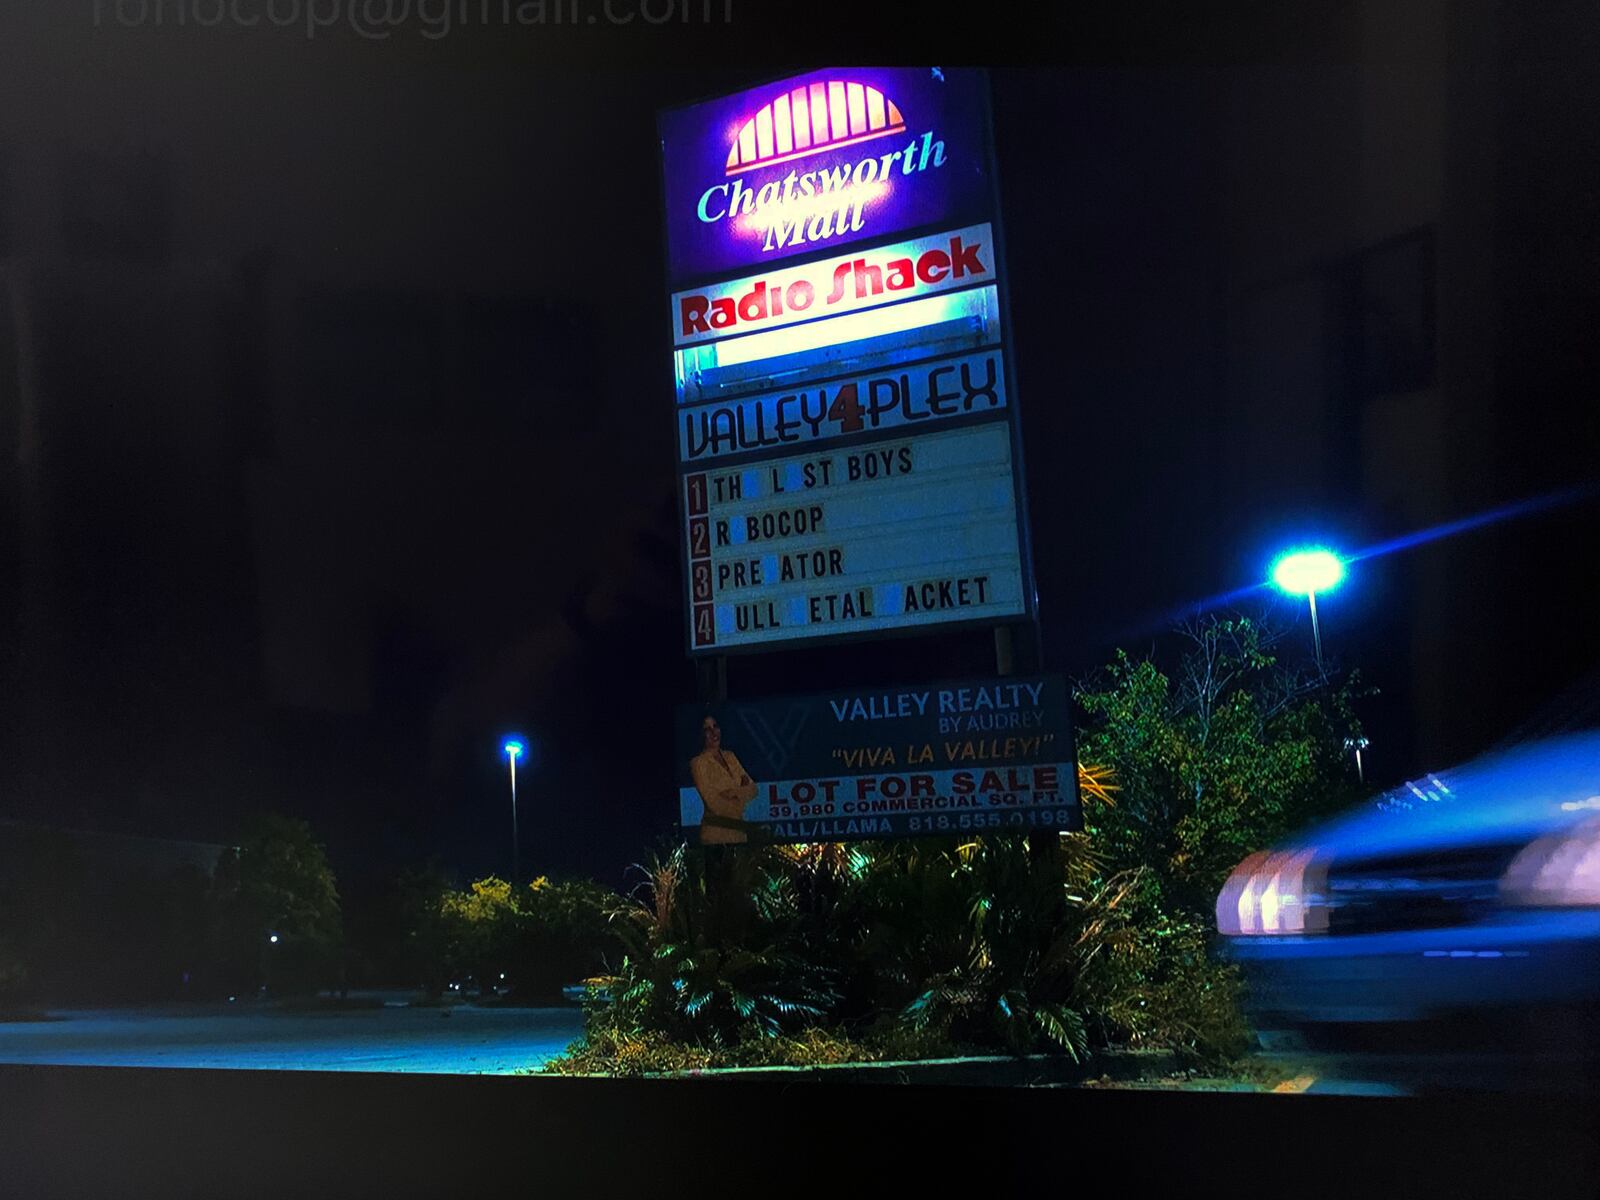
(848, 454)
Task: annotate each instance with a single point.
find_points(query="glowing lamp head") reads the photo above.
(513, 748)
(1304, 572)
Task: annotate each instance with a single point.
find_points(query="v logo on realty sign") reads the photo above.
(776, 746)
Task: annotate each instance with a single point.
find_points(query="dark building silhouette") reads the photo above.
(334, 410)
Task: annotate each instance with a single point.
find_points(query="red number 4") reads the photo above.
(846, 409)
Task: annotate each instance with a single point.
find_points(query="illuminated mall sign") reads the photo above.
(812, 163)
(848, 455)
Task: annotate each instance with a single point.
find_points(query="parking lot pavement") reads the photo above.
(460, 1040)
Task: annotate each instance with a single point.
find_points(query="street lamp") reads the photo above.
(514, 749)
(1305, 573)
(265, 961)
(1358, 744)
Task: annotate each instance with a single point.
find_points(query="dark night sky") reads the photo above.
(336, 384)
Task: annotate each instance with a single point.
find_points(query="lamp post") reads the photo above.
(267, 956)
(1358, 744)
(1305, 573)
(514, 749)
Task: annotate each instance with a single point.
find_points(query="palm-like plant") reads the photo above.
(1013, 976)
(711, 955)
(1095, 783)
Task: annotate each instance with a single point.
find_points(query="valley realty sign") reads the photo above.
(932, 759)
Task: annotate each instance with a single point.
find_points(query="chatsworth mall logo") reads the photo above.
(820, 160)
(771, 196)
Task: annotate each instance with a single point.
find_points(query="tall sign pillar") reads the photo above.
(844, 400)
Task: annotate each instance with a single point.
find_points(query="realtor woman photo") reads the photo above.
(725, 788)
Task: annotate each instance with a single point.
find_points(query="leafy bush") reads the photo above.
(607, 1049)
(1222, 757)
(1150, 980)
(565, 935)
(980, 940)
(278, 883)
(479, 929)
(541, 938)
(611, 1052)
(890, 950)
(909, 948)
(405, 935)
(713, 954)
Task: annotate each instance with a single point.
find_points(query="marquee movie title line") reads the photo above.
(872, 604)
(938, 459)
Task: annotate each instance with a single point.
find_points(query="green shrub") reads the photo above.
(896, 949)
(1152, 982)
(564, 935)
(978, 942)
(1222, 756)
(808, 1048)
(857, 952)
(278, 883)
(713, 954)
(609, 1052)
(902, 951)
(540, 938)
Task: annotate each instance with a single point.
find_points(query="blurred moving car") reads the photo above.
(1471, 893)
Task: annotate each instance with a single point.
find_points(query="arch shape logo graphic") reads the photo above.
(812, 118)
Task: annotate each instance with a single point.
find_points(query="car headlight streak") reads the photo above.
(1558, 870)
(1274, 893)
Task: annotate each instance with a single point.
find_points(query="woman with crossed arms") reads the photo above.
(725, 788)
